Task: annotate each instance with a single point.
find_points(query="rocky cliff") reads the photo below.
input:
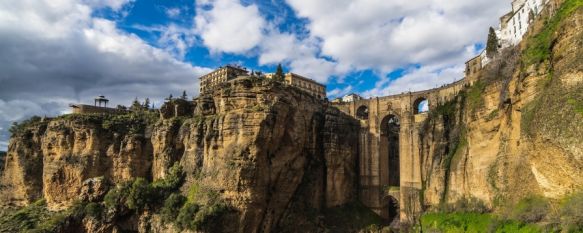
(518, 131)
(274, 155)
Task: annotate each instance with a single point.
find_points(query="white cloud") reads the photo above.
(423, 78)
(228, 26)
(384, 35)
(55, 53)
(113, 4)
(173, 12)
(339, 92)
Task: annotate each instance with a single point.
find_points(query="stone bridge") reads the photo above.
(389, 158)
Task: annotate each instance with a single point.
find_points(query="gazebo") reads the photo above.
(101, 99)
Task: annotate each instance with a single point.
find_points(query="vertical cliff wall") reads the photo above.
(518, 131)
(272, 152)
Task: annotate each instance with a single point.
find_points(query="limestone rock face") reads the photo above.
(269, 150)
(523, 136)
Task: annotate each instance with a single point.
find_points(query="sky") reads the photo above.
(57, 52)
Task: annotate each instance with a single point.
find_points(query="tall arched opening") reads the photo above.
(392, 208)
(420, 105)
(362, 112)
(389, 143)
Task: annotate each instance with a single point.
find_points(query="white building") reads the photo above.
(351, 98)
(514, 25)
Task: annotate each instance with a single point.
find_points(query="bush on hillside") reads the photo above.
(172, 207)
(468, 205)
(572, 213)
(531, 209)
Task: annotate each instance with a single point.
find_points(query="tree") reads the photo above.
(184, 95)
(136, 106)
(492, 44)
(147, 104)
(279, 76)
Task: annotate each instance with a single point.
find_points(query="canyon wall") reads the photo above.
(518, 131)
(272, 152)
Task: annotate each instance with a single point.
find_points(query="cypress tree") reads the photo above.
(147, 103)
(279, 76)
(492, 44)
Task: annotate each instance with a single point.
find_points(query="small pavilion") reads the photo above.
(101, 100)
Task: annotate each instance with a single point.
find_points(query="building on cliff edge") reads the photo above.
(221, 75)
(100, 106)
(303, 83)
(210, 81)
(511, 29)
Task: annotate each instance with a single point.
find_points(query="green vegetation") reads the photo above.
(140, 194)
(351, 217)
(171, 207)
(199, 211)
(456, 222)
(474, 96)
(531, 214)
(538, 47)
(131, 123)
(576, 104)
(493, 114)
(530, 210)
(94, 210)
(492, 44)
(19, 128)
(37, 218)
(571, 213)
(279, 75)
(2, 159)
(467, 205)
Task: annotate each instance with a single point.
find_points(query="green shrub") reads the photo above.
(531, 209)
(93, 210)
(469, 205)
(33, 218)
(474, 96)
(186, 216)
(508, 226)
(18, 128)
(140, 195)
(117, 196)
(172, 181)
(209, 216)
(572, 213)
(455, 222)
(171, 208)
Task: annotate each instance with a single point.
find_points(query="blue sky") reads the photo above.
(54, 53)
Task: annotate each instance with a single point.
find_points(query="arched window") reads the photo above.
(362, 113)
(420, 105)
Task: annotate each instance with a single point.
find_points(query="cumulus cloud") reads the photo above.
(418, 79)
(339, 92)
(228, 26)
(173, 12)
(388, 34)
(55, 53)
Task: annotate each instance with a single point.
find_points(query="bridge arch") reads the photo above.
(390, 129)
(421, 105)
(362, 112)
(392, 206)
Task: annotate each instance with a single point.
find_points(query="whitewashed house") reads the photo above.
(514, 25)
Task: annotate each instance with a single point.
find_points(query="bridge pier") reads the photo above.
(385, 150)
